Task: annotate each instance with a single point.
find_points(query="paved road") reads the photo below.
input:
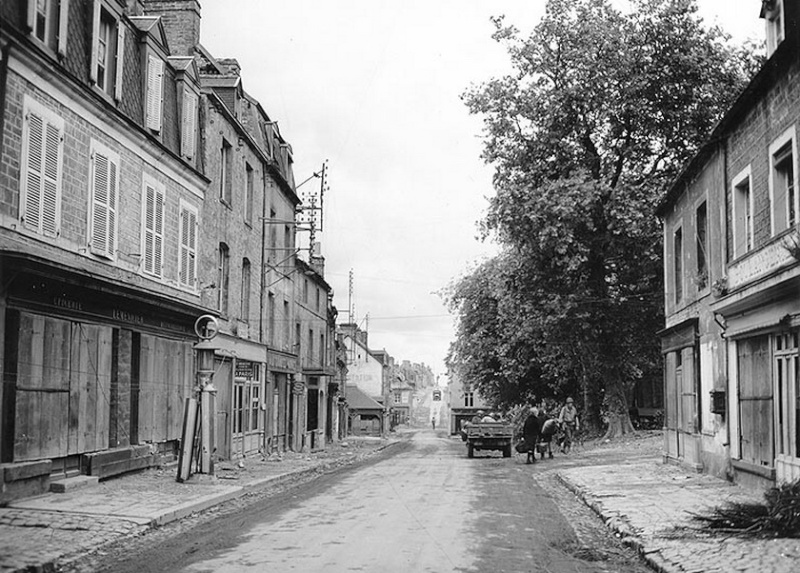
(424, 507)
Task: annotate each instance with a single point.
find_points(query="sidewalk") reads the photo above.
(649, 505)
(43, 532)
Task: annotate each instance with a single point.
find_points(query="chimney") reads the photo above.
(181, 19)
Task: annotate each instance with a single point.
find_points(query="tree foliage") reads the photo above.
(602, 110)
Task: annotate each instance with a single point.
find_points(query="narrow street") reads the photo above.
(419, 506)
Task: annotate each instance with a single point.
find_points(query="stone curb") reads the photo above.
(209, 501)
(620, 525)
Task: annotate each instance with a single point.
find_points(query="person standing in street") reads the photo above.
(530, 433)
(568, 420)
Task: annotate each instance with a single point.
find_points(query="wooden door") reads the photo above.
(755, 401)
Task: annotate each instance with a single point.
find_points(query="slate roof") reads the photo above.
(357, 400)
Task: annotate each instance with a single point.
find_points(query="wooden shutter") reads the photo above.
(63, 18)
(155, 74)
(188, 140)
(153, 230)
(42, 170)
(104, 204)
(188, 248)
(120, 61)
(95, 42)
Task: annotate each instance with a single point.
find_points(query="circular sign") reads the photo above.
(206, 327)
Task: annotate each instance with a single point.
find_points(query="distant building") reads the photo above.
(463, 403)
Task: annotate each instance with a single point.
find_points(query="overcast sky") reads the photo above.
(373, 86)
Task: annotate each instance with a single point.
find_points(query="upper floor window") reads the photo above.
(245, 303)
(469, 399)
(322, 349)
(742, 214)
(271, 318)
(782, 183)
(155, 92)
(773, 14)
(701, 239)
(305, 291)
(41, 169)
(226, 173)
(677, 257)
(107, 48)
(104, 200)
(187, 264)
(47, 20)
(189, 124)
(223, 276)
(153, 205)
(248, 198)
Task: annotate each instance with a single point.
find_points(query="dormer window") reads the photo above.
(772, 12)
(108, 43)
(47, 20)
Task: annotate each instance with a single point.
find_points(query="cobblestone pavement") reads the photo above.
(650, 505)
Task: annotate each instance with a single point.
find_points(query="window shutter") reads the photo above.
(31, 15)
(31, 208)
(104, 205)
(52, 180)
(120, 61)
(63, 16)
(41, 180)
(188, 141)
(187, 264)
(95, 42)
(155, 73)
(153, 230)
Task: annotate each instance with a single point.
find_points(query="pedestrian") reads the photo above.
(569, 422)
(549, 429)
(530, 433)
(433, 423)
(477, 417)
(488, 418)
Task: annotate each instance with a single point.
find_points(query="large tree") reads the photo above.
(602, 110)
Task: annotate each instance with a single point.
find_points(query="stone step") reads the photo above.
(73, 483)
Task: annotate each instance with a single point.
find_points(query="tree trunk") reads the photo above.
(619, 419)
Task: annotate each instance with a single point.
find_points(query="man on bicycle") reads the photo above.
(568, 420)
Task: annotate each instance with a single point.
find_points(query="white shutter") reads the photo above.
(41, 161)
(153, 235)
(32, 186)
(188, 136)
(95, 42)
(32, 15)
(155, 74)
(105, 180)
(187, 264)
(63, 16)
(120, 61)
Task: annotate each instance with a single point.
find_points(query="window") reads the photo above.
(187, 265)
(297, 338)
(677, 256)
(742, 214)
(271, 319)
(772, 12)
(104, 190)
(469, 399)
(248, 198)
(42, 164)
(273, 236)
(226, 173)
(47, 20)
(782, 184)
(305, 291)
(189, 124)
(155, 82)
(786, 369)
(701, 232)
(310, 346)
(108, 42)
(153, 204)
(245, 305)
(223, 276)
(246, 398)
(322, 349)
(287, 326)
(398, 396)
(287, 240)
(318, 300)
